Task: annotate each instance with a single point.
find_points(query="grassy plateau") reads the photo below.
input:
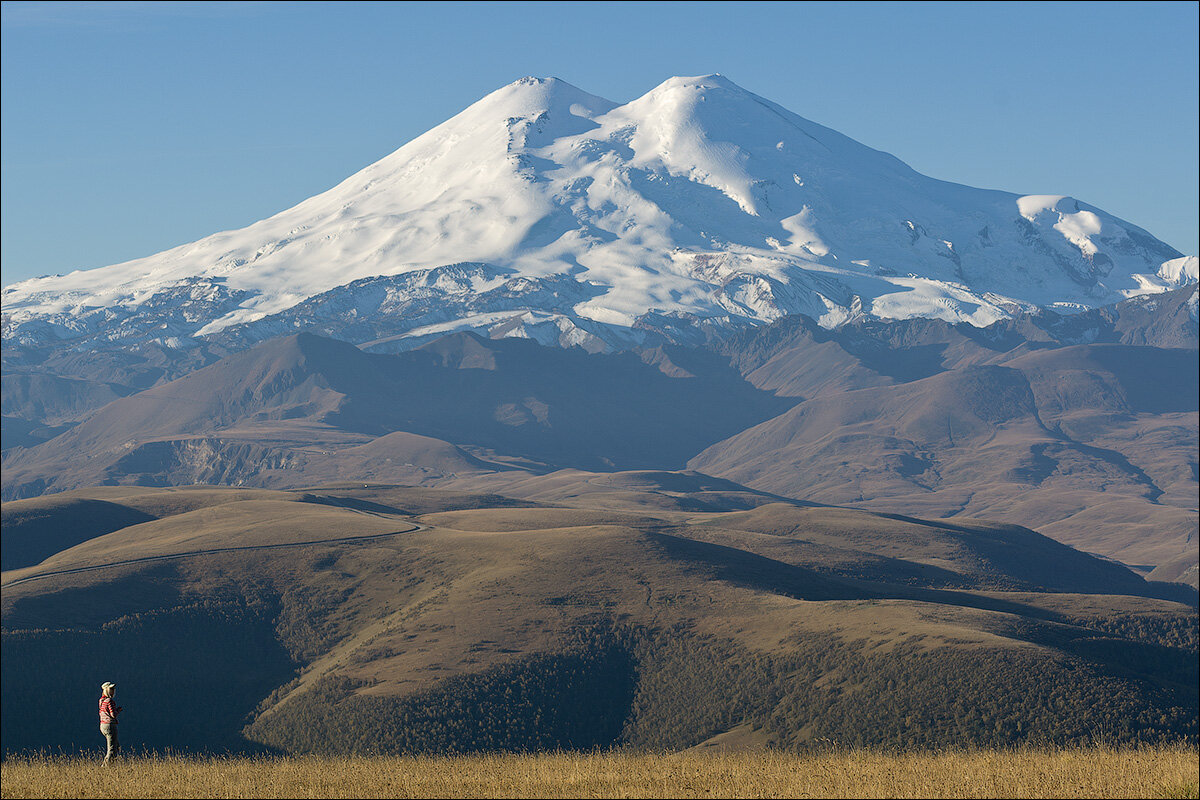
(1164, 771)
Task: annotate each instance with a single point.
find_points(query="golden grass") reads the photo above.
(1083, 772)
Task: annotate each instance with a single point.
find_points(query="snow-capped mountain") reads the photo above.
(547, 212)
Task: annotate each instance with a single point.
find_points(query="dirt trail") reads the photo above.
(339, 540)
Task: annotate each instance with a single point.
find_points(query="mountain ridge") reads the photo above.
(1058, 423)
(698, 202)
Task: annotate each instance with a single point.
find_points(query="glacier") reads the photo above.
(546, 212)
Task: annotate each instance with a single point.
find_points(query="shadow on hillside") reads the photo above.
(760, 573)
(187, 674)
(30, 537)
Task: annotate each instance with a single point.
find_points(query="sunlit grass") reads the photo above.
(1169, 772)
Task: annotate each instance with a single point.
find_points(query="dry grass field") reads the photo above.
(1169, 772)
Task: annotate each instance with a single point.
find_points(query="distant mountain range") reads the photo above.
(545, 212)
(1082, 426)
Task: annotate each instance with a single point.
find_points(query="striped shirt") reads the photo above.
(108, 711)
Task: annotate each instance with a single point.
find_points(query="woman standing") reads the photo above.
(108, 719)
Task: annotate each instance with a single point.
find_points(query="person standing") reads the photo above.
(108, 719)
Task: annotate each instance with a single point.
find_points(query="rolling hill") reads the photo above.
(1092, 444)
(377, 618)
(1067, 425)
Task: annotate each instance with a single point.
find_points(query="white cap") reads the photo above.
(107, 684)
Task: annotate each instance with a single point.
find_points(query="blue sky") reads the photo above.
(128, 128)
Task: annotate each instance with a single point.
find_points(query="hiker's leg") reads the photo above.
(110, 738)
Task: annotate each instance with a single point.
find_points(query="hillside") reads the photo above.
(359, 618)
(305, 408)
(1075, 426)
(1092, 444)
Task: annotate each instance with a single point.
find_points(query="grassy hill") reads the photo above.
(358, 618)
(1092, 444)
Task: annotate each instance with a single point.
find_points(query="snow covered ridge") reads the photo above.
(544, 211)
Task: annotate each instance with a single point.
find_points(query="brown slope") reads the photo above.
(289, 411)
(887, 442)
(634, 490)
(40, 527)
(794, 357)
(970, 553)
(845, 598)
(33, 530)
(246, 523)
(1091, 444)
(52, 400)
(1117, 379)
(1134, 406)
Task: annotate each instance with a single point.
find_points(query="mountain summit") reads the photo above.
(546, 212)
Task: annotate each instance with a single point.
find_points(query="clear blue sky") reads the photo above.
(128, 128)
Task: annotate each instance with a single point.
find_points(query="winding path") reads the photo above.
(339, 540)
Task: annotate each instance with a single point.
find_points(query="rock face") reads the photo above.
(545, 212)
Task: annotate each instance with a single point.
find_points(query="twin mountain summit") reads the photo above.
(630, 400)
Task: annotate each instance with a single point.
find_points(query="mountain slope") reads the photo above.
(488, 624)
(1092, 444)
(588, 221)
(305, 408)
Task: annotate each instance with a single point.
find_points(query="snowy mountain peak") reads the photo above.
(588, 222)
(530, 97)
